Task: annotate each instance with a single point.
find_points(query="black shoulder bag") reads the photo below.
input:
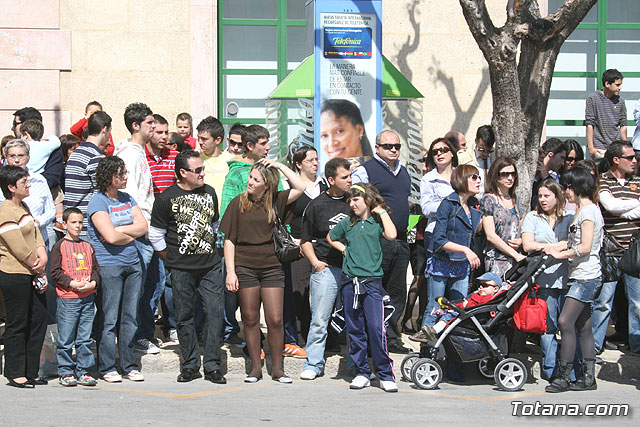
(286, 248)
(630, 262)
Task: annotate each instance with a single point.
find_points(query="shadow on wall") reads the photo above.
(396, 121)
(462, 118)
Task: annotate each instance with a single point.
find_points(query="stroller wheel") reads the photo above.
(426, 374)
(407, 364)
(510, 374)
(486, 367)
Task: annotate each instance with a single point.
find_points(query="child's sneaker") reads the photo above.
(68, 381)
(294, 350)
(389, 386)
(87, 380)
(134, 375)
(112, 377)
(425, 334)
(359, 382)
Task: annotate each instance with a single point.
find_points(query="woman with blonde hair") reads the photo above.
(253, 270)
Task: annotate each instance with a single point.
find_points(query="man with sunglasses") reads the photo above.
(394, 184)
(234, 140)
(620, 205)
(552, 155)
(183, 235)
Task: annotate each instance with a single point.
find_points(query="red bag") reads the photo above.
(530, 313)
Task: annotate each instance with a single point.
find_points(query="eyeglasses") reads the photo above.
(196, 170)
(475, 177)
(122, 174)
(570, 159)
(629, 157)
(484, 150)
(388, 147)
(441, 150)
(508, 174)
(17, 156)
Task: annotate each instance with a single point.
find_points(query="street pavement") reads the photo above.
(161, 401)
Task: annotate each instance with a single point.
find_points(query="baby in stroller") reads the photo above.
(489, 284)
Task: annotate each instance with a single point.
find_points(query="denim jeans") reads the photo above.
(632, 288)
(437, 286)
(601, 312)
(75, 321)
(152, 280)
(119, 293)
(323, 286)
(169, 317)
(208, 284)
(289, 308)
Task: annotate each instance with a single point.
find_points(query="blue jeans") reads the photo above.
(119, 293)
(75, 322)
(632, 288)
(152, 280)
(323, 287)
(289, 308)
(437, 286)
(601, 312)
(208, 284)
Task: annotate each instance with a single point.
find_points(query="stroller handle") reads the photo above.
(445, 303)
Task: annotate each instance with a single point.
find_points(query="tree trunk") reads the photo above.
(520, 88)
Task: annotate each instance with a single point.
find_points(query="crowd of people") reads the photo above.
(166, 222)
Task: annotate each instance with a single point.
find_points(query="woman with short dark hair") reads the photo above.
(23, 259)
(115, 221)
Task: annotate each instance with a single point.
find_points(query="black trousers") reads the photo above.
(395, 261)
(25, 327)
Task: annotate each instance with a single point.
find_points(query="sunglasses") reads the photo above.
(475, 177)
(630, 157)
(441, 150)
(570, 159)
(196, 170)
(16, 123)
(484, 150)
(388, 147)
(507, 174)
(486, 285)
(232, 142)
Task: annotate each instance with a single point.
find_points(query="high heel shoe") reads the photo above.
(409, 330)
(25, 384)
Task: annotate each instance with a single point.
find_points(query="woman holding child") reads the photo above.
(548, 227)
(115, 221)
(23, 259)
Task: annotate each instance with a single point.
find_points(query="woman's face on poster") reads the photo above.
(339, 137)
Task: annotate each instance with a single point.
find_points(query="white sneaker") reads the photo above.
(112, 377)
(134, 376)
(308, 374)
(389, 386)
(359, 383)
(145, 346)
(156, 341)
(173, 335)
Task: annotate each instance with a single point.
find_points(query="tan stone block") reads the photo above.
(95, 15)
(35, 49)
(37, 88)
(79, 49)
(203, 60)
(154, 15)
(30, 14)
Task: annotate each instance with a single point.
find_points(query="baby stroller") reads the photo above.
(478, 334)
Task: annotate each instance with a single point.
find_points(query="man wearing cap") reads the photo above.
(488, 286)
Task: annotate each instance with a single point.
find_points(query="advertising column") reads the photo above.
(348, 78)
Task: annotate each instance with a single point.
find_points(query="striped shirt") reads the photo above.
(620, 228)
(163, 174)
(80, 178)
(606, 116)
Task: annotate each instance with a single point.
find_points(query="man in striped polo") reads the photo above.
(161, 161)
(620, 204)
(80, 171)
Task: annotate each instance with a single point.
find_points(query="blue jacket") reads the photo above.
(452, 225)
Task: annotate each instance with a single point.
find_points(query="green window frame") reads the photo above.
(282, 24)
(601, 26)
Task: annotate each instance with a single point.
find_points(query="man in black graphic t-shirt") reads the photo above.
(320, 216)
(182, 233)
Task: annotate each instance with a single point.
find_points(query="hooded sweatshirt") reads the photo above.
(139, 183)
(235, 181)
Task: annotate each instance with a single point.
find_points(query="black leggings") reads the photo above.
(576, 315)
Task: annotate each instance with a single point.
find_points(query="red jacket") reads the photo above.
(79, 128)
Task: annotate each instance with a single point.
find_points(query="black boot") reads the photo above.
(561, 382)
(588, 380)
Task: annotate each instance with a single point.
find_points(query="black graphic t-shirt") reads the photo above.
(320, 216)
(188, 217)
